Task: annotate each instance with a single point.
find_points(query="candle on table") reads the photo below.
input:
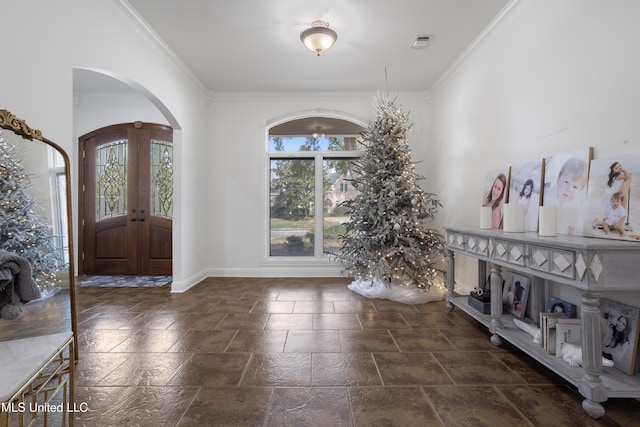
(513, 218)
(548, 221)
(485, 217)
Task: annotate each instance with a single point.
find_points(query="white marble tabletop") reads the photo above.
(21, 359)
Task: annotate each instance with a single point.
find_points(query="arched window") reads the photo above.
(310, 164)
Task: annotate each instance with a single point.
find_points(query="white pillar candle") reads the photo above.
(485, 217)
(513, 218)
(548, 221)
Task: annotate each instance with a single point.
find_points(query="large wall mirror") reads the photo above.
(35, 234)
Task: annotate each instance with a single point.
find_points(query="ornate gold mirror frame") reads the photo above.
(44, 168)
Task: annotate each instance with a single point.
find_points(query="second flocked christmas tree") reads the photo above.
(22, 230)
(387, 247)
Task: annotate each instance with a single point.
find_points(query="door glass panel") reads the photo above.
(161, 178)
(337, 189)
(292, 207)
(111, 179)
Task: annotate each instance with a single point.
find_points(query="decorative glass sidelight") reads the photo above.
(111, 179)
(161, 178)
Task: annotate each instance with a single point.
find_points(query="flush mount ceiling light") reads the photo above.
(318, 133)
(319, 37)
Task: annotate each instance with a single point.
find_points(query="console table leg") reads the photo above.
(496, 303)
(536, 298)
(496, 340)
(593, 409)
(451, 270)
(591, 386)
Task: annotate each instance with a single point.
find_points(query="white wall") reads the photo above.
(96, 110)
(551, 77)
(220, 164)
(237, 194)
(49, 39)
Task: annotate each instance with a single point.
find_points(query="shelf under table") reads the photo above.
(618, 383)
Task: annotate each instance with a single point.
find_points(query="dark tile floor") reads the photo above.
(305, 352)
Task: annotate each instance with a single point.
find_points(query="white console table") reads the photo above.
(592, 266)
(36, 371)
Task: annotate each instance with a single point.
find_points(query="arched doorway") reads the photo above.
(126, 199)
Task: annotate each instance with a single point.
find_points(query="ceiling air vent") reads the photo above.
(420, 42)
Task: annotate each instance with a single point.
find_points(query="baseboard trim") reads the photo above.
(178, 287)
(264, 271)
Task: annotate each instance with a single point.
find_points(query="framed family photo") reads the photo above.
(619, 334)
(612, 209)
(515, 293)
(556, 305)
(525, 189)
(496, 189)
(565, 186)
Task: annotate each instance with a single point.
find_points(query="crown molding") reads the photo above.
(146, 30)
(497, 24)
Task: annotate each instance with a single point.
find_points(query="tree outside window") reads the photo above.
(306, 173)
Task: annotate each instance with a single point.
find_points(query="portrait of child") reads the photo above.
(565, 186)
(524, 189)
(612, 207)
(494, 196)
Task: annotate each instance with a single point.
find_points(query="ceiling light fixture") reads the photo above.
(319, 37)
(318, 133)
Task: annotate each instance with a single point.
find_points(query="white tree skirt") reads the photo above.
(399, 292)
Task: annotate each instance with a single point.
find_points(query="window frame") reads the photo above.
(58, 190)
(318, 157)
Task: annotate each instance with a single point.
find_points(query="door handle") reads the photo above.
(137, 219)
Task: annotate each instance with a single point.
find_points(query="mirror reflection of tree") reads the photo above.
(34, 226)
(23, 230)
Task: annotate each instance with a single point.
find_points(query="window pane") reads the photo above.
(337, 189)
(111, 179)
(161, 178)
(61, 228)
(292, 207)
(311, 143)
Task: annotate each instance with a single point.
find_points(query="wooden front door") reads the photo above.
(126, 200)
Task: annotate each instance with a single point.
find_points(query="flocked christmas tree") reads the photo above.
(386, 240)
(22, 230)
